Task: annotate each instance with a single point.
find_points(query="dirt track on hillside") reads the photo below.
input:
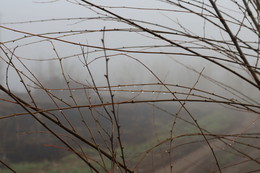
(197, 161)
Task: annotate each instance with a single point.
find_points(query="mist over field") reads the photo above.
(151, 86)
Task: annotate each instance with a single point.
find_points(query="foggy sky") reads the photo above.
(123, 70)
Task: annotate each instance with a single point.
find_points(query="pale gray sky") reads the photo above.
(28, 10)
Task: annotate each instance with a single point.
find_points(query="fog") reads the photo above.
(155, 59)
(122, 70)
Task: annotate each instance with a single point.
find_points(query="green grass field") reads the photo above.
(216, 122)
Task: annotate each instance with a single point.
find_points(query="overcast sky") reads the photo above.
(27, 10)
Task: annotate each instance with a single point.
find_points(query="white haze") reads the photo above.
(122, 70)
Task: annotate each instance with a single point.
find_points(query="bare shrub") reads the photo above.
(163, 86)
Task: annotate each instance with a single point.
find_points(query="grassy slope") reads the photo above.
(73, 165)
